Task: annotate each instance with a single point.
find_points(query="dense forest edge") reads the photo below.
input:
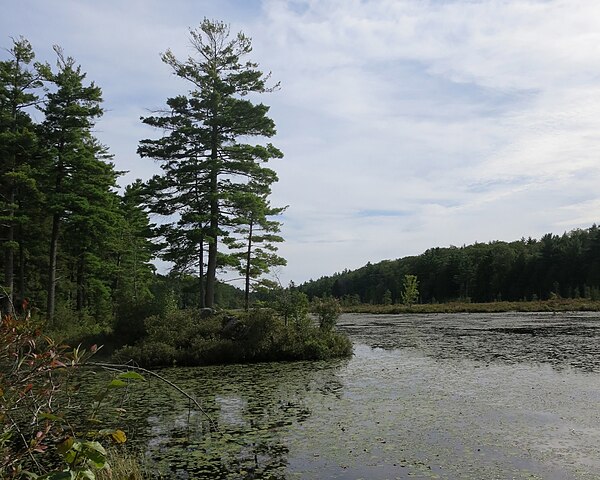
(527, 275)
(78, 251)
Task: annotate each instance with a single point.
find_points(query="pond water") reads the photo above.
(457, 396)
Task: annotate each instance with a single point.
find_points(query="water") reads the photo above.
(457, 396)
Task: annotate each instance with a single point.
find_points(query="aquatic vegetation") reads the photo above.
(443, 396)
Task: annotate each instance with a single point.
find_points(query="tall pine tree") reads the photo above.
(70, 112)
(18, 85)
(202, 154)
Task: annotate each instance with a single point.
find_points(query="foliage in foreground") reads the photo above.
(37, 437)
(123, 465)
(184, 337)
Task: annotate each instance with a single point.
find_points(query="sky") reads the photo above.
(405, 124)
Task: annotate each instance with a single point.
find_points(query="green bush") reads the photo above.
(70, 327)
(328, 311)
(184, 337)
(37, 397)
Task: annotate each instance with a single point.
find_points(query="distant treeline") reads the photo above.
(565, 266)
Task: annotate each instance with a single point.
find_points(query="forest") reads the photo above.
(76, 245)
(77, 250)
(565, 266)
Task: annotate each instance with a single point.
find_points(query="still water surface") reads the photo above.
(458, 396)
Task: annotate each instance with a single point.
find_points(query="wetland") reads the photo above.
(447, 396)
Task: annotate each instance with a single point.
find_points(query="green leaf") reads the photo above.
(70, 456)
(63, 447)
(95, 453)
(87, 473)
(131, 376)
(94, 447)
(116, 383)
(51, 416)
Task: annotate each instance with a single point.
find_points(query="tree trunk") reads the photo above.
(201, 272)
(9, 257)
(248, 259)
(211, 269)
(9, 252)
(52, 267)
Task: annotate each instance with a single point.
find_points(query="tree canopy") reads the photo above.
(564, 265)
(62, 220)
(206, 164)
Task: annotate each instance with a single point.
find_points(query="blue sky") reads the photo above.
(405, 124)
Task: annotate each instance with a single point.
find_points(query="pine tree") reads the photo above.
(18, 85)
(201, 155)
(90, 229)
(254, 237)
(69, 148)
(133, 252)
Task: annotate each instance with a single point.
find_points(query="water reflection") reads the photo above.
(252, 406)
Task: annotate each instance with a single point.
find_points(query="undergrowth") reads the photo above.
(187, 337)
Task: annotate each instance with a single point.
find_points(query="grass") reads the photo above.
(125, 465)
(555, 305)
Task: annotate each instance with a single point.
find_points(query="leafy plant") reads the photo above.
(34, 398)
(81, 458)
(291, 304)
(410, 293)
(328, 311)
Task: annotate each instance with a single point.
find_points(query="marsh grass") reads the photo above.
(125, 465)
(555, 305)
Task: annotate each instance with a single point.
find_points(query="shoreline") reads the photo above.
(557, 305)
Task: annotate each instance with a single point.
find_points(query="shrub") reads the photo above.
(35, 431)
(123, 465)
(185, 338)
(328, 311)
(291, 304)
(410, 292)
